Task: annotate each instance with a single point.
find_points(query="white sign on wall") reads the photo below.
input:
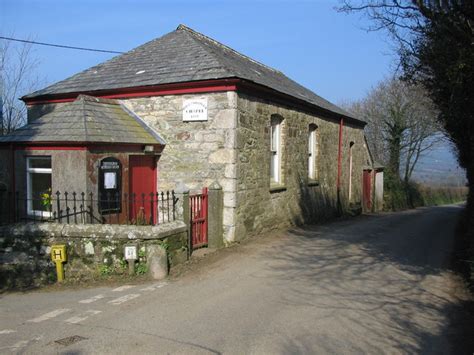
(130, 252)
(195, 110)
(110, 180)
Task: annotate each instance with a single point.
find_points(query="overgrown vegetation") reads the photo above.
(400, 195)
(401, 125)
(435, 45)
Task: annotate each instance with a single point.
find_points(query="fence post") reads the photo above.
(182, 193)
(215, 216)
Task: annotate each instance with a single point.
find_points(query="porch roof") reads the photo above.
(90, 120)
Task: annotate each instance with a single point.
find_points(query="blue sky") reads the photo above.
(309, 41)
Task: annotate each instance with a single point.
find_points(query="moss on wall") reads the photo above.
(93, 251)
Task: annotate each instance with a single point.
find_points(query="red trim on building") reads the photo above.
(196, 87)
(119, 147)
(29, 148)
(92, 147)
(143, 91)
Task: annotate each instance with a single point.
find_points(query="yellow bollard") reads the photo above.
(58, 255)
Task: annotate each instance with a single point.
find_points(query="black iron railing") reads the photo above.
(75, 208)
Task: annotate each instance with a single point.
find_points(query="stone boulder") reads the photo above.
(157, 262)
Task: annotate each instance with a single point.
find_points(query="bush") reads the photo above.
(399, 195)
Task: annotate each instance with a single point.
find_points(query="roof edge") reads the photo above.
(143, 124)
(211, 85)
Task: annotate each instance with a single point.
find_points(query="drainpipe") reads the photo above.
(339, 166)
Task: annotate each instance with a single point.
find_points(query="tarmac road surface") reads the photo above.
(373, 284)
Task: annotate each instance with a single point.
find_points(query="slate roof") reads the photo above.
(183, 55)
(87, 119)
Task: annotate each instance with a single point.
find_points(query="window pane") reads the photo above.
(42, 163)
(274, 139)
(272, 167)
(40, 185)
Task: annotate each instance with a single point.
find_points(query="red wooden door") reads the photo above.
(142, 183)
(367, 190)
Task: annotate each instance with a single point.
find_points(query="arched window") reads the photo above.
(275, 149)
(313, 152)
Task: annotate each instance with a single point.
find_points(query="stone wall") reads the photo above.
(196, 153)
(260, 207)
(92, 250)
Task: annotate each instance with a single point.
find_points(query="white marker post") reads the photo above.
(131, 255)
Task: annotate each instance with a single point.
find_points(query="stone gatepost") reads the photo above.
(215, 221)
(184, 212)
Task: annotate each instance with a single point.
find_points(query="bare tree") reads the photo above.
(402, 125)
(17, 78)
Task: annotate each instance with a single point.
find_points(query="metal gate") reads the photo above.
(198, 207)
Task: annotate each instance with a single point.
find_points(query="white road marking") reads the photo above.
(7, 331)
(21, 344)
(123, 299)
(153, 287)
(122, 288)
(92, 299)
(82, 317)
(49, 315)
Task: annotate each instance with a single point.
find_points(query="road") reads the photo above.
(372, 284)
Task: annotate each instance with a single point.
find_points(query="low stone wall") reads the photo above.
(92, 250)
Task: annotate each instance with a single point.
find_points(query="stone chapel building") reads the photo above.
(185, 109)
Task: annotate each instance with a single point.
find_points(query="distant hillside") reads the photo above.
(440, 167)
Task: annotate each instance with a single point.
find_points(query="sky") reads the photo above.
(329, 52)
(309, 41)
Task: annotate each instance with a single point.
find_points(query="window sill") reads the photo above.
(313, 183)
(41, 214)
(277, 188)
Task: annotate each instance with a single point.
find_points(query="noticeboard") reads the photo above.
(110, 186)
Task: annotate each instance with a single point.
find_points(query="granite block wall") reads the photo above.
(196, 153)
(262, 207)
(92, 250)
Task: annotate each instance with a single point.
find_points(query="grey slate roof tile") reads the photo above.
(88, 119)
(181, 56)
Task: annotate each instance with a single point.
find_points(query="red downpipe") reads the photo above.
(339, 156)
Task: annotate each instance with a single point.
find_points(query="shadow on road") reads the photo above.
(381, 284)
